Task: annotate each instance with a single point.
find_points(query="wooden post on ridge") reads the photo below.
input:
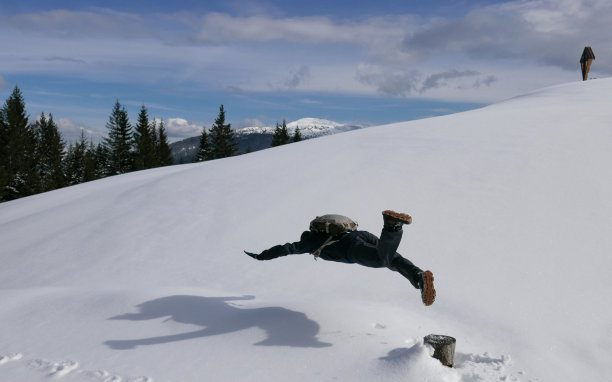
(585, 62)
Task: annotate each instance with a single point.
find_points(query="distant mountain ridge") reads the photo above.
(309, 127)
(257, 138)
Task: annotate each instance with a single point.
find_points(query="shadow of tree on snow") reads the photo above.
(283, 327)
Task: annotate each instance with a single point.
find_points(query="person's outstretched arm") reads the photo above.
(309, 242)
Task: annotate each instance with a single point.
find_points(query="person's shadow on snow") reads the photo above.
(283, 327)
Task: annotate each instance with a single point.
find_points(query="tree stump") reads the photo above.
(444, 348)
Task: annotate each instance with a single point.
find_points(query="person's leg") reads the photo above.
(410, 271)
(364, 252)
(391, 235)
(389, 241)
(387, 251)
(419, 279)
(369, 251)
(387, 245)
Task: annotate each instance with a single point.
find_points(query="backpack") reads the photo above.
(332, 225)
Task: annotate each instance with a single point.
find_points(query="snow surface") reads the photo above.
(141, 277)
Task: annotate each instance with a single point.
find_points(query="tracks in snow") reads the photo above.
(61, 369)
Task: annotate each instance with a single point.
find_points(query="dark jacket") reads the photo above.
(348, 247)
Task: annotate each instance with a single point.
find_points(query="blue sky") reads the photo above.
(348, 61)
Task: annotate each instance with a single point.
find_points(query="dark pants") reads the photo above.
(383, 253)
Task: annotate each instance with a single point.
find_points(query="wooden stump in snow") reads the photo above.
(444, 348)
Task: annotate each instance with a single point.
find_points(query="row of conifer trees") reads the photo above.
(220, 140)
(35, 158)
(281, 135)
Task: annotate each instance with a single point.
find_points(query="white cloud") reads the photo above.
(487, 54)
(179, 128)
(493, 52)
(298, 77)
(442, 79)
(309, 101)
(71, 131)
(66, 59)
(221, 27)
(249, 122)
(549, 32)
(70, 24)
(406, 83)
(394, 83)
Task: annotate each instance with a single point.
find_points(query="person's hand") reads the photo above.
(253, 255)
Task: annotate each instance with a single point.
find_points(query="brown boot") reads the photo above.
(393, 221)
(428, 293)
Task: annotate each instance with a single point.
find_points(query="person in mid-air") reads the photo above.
(335, 238)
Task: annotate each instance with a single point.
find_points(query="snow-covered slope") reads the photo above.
(309, 128)
(142, 277)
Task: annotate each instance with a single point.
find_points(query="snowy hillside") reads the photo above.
(141, 277)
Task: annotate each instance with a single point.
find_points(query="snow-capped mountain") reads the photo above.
(258, 138)
(309, 128)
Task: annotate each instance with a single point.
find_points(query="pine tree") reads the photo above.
(70, 165)
(281, 134)
(18, 170)
(50, 153)
(222, 139)
(164, 153)
(101, 157)
(75, 161)
(4, 179)
(276, 136)
(90, 166)
(284, 137)
(144, 139)
(204, 150)
(119, 141)
(4, 155)
(155, 141)
(297, 136)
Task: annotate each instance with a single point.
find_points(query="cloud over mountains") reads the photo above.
(483, 54)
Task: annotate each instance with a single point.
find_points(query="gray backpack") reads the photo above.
(332, 225)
